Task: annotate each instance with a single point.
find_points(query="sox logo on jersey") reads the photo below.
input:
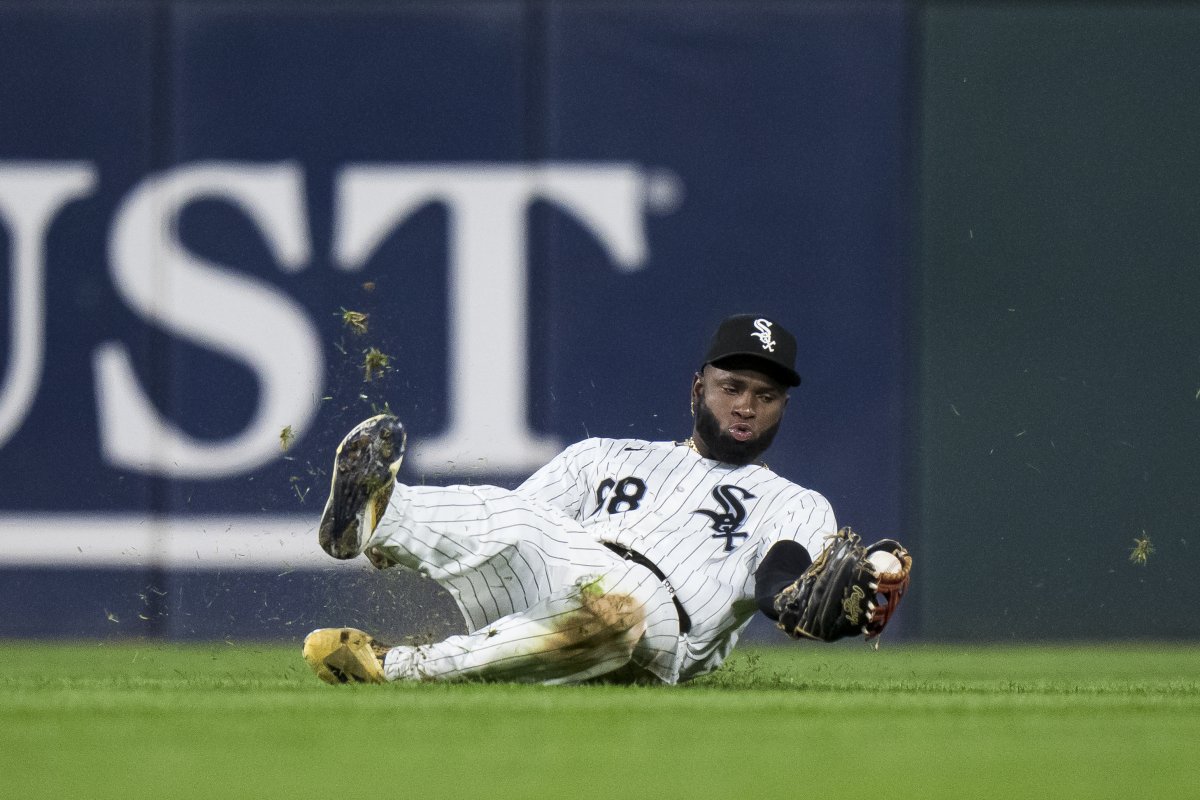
(727, 522)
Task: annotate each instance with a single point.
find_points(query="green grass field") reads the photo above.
(806, 721)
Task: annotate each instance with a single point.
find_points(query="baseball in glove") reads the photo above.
(843, 593)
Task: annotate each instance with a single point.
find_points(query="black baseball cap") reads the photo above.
(759, 340)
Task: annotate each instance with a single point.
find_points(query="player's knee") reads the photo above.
(609, 620)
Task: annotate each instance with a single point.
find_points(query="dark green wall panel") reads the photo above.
(1060, 319)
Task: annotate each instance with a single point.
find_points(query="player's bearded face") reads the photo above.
(715, 432)
(721, 444)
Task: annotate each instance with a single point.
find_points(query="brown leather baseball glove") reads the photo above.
(842, 593)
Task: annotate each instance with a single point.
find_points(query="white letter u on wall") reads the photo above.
(30, 195)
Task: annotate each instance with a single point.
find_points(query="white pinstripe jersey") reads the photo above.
(706, 524)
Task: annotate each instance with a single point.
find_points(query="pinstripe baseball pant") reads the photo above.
(544, 602)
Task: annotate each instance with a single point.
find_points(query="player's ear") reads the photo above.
(696, 392)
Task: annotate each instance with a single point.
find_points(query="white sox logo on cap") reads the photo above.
(763, 326)
(760, 339)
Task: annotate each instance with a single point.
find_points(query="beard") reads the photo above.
(723, 447)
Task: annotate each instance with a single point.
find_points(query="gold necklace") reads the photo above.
(691, 445)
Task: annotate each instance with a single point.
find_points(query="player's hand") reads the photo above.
(850, 589)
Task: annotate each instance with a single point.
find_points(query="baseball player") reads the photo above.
(622, 560)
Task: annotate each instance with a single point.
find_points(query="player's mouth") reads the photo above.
(741, 432)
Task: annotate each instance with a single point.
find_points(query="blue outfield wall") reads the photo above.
(543, 207)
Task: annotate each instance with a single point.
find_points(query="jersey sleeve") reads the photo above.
(562, 483)
(806, 518)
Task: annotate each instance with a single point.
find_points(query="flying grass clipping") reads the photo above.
(356, 321)
(375, 363)
(287, 438)
(1143, 548)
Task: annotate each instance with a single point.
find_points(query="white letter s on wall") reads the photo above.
(238, 316)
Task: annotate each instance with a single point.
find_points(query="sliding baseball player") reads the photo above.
(621, 560)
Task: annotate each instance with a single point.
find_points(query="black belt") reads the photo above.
(685, 622)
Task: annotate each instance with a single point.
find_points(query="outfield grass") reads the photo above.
(807, 721)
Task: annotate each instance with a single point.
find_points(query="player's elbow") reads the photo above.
(779, 568)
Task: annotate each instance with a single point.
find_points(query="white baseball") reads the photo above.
(884, 562)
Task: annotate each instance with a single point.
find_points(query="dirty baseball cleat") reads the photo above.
(345, 655)
(364, 472)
